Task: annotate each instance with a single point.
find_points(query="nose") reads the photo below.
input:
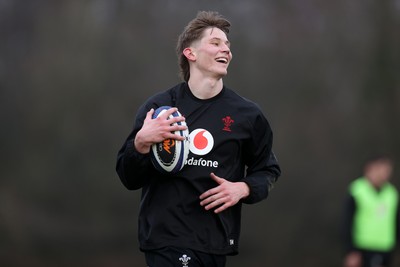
(225, 48)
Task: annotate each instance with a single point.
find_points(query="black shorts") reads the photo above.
(182, 257)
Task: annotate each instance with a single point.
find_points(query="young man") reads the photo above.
(192, 218)
(372, 216)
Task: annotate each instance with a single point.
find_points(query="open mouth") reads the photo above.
(222, 60)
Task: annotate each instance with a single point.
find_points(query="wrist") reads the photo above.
(246, 190)
(141, 147)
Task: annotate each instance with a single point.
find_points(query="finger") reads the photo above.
(214, 190)
(172, 110)
(176, 119)
(171, 120)
(149, 114)
(213, 204)
(211, 199)
(169, 135)
(219, 205)
(222, 208)
(166, 114)
(208, 193)
(177, 127)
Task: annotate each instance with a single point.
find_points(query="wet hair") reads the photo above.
(193, 32)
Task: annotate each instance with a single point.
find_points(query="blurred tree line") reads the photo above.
(73, 73)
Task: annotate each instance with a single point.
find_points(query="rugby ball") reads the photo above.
(169, 156)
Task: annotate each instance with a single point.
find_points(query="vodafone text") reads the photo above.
(201, 162)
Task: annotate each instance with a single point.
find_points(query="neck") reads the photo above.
(205, 88)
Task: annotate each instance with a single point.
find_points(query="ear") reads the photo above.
(189, 54)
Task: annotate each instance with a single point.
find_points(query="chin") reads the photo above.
(223, 73)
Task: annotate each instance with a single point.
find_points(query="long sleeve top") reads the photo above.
(237, 146)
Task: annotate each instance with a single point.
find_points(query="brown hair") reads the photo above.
(193, 32)
(379, 158)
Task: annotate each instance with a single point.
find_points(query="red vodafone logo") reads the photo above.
(201, 142)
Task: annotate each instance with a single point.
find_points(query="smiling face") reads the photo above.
(211, 54)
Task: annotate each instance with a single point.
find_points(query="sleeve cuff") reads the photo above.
(132, 152)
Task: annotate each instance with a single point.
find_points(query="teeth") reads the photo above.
(222, 60)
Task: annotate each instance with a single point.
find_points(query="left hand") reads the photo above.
(225, 195)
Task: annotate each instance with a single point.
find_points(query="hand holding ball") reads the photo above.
(169, 156)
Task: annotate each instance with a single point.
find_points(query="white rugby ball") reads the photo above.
(169, 156)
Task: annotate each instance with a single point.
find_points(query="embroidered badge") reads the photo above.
(185, 260)
(227, 123)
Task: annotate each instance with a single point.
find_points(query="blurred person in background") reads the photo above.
(193, 218)
(371, 224)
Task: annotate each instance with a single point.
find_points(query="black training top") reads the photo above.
(230, 137)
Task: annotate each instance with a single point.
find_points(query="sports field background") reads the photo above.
(73, 74)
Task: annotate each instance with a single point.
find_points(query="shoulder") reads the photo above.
(243, 104)
(392, 188)
(249, 111)
(165, 97)
(357, 184)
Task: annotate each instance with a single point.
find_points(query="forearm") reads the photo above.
(262, 181)
(131, 166)
(349, 211)
(259, 186)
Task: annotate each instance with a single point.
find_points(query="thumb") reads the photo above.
(216, 178)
